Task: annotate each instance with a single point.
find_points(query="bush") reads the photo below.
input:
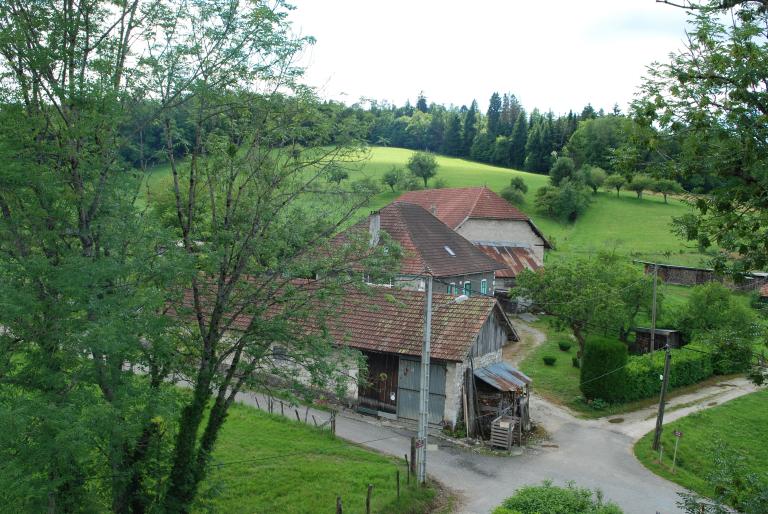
(598, 376)
(731, 353)
(564, 345)
(549, 499)
(567, 202)
(513, 196)
(550, 360)
(575, 362)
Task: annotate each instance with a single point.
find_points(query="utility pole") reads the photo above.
(653, 309)
(421, 443)
(664, 384)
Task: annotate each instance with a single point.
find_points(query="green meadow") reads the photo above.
(639, 229)
(267, 463)
(738, 424)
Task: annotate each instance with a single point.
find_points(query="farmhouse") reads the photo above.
(386, 325)
(428, 244)
(497, 228)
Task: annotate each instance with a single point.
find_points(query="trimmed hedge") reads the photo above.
(564, 345)
(602, 356)
(550, 360)
(687, 367)
(639, 379)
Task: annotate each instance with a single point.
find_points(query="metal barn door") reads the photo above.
(408, 384)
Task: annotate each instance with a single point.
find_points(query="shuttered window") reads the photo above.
(484, 286)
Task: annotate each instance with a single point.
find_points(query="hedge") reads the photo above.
(598, 376)
(687, 367)
(639, 379)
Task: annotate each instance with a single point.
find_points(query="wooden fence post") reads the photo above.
(413, 455)
(368, 499)
(282, 411)
(298, 418)
(314, 420)
(333, 422)
(408, 470)
(339, 509)
(397, 479)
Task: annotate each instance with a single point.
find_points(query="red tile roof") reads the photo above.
(424, 239)
(382, 319)
(392, 320)
(515, 258)
(454, 206)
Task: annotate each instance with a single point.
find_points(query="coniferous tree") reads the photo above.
(518, 141)
(436, 130)
(470, 128)
(494, 115)
(421, 103)
(452, 143)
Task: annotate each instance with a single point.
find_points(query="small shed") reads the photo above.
(502, 392)
(673, 338)
(763, 294)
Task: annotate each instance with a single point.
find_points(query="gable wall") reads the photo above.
(513, 231)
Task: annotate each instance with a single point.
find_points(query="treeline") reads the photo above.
(505, 135)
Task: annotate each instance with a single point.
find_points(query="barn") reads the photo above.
(386, 325)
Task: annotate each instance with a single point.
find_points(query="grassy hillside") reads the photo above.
(265, 463)
(636, 228)
(739, 423)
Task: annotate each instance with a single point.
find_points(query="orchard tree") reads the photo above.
(592, 176)
(595, 295)
(666, 187)
(614, 181)
(639, 184)
(423, 165)
(392, 177)
(715, 92)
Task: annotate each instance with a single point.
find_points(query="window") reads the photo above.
(450, 252)
(452, 288)
(467, 288)
(483, 286)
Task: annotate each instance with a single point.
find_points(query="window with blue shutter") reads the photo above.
(484, 286)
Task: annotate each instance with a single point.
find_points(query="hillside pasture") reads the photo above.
(639, 229)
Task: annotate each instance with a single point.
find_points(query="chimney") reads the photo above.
(374, 226)
(433, 210)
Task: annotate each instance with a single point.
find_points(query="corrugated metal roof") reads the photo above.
(503, 377)
(515, 258)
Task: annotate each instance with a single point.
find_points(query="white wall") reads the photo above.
(511, 231)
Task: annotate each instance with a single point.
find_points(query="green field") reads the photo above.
(637, 228)
(265, 463)
(739, 423)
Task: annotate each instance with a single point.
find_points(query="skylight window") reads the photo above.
(450, 252)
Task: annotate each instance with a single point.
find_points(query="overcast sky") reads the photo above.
(554, 54)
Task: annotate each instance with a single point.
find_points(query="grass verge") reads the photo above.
(740, 423)
(265, 463)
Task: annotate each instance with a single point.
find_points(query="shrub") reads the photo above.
(549, 499)
(731, 353)
(566, 202)
(513, 196)
(550, 360)
(599, 378)
(575, 362)
(564, 345)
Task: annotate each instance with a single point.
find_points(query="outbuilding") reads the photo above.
(386, 325)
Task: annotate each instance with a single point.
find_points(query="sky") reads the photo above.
(554, 54)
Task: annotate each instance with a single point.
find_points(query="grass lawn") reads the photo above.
(265, 463)
(639, 229)
(740, 423)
